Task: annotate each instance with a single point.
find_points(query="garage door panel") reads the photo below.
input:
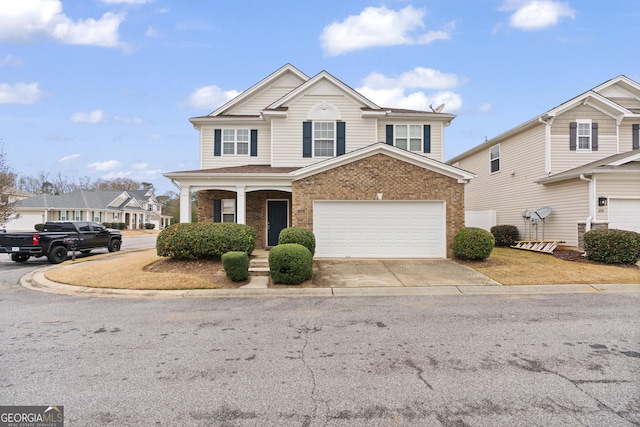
(624, 214)
(379, 229)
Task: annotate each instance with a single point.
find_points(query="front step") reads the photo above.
(259, 267)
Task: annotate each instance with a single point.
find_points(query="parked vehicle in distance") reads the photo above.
(57, 238)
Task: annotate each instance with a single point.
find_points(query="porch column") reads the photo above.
(241, 200)
(185, 204)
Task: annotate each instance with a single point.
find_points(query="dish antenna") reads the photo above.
(438, 109)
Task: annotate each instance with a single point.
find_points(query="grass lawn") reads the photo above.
(143, 270)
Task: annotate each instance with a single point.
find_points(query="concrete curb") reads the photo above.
(36, 280)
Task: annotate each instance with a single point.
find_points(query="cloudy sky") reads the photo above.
(105, 88)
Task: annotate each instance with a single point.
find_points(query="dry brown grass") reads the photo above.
(518, 267)
(125, 272)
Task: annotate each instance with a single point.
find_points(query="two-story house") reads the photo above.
(581, 159)
(314, 153)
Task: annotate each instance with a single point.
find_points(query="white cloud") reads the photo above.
(27, 20)
(129, 120)
(379, 26)
(151, 32)
(486, 107)
(93, 117)
(69, 158)
(399, 92)
(209, 97)
(19, 93)
(11, 61)
(154, 136)
(536, 14)
(104, 166)
(112, 175)
(140, 165)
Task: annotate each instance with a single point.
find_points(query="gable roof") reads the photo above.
(84, 199)
(623, 162)
(381, 148)
(287, 68)
(591, 97)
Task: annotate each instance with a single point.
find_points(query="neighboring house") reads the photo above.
(12, 194)
(134, 208)
(314, 153)
(581, 159)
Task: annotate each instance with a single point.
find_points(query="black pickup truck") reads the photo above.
(57, 239)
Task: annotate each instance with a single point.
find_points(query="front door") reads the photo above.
(277, 219)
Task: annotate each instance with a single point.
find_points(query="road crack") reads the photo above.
(410, 363)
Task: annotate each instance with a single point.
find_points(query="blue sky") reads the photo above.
(105, 88)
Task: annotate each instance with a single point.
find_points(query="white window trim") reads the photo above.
(222, 213)
(408, 126)
(77, 217)
(498, 158)
(235, 142)
(589, 126)
(313, 139)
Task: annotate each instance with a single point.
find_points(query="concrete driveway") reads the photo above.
(354, 273)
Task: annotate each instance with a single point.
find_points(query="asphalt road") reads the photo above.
(547, 360)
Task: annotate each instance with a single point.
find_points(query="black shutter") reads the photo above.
(341, 140)
(389, 134)
(427, 139)
(254, 142)
(636, 136)
(594, 136)
(573, 136)
(306, 140)
(217, 210)
(217, 142)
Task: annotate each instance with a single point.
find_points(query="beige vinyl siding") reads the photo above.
(287, 133)
(513, 189)
(437, 135)
(261, 100)
(562, 158)
(209, 161)
(626, 135)
(626, 102)
(615, 186)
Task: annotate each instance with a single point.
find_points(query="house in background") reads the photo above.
(135, 208)
(13, 194)
(314, 153)
(581, 159)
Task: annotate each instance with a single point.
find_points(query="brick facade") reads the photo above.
(582, 227)
(379, 173)
(256, 208)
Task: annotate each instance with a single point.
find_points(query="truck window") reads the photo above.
(83, 226)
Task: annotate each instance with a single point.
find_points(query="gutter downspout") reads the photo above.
(547, 143)
(592, 202)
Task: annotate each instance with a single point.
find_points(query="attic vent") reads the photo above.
(324, 111)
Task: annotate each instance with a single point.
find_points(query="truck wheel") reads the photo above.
(57, 255)
(114, 245)
(19, 257)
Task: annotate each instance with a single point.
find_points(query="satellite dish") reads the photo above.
(439, 109)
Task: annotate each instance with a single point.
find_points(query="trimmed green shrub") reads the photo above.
(473, 243)
(505, 235)
(298, 235)
(121, 225)
(108, 224)
(612, 246)
(205, 240)
(149, 226)
(236, 265)
(290, 264)
(39, 227)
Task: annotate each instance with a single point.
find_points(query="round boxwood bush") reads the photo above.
(298, 235)
(205, 240)
(473, 243)
(612, 246)
(290, 264)
(505, 235)
(236, 265)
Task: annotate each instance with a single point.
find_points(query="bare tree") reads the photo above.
(7, 188)
(43, 183)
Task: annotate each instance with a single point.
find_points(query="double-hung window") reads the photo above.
(324, 139)
(408, 137)
(235, 141)
(228, 210)
(584, 134)
(77, 215)
(62, 215)
(494, 155)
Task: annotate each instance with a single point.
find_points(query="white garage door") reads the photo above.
(624, 214)
(379, 229)
(25, 222)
